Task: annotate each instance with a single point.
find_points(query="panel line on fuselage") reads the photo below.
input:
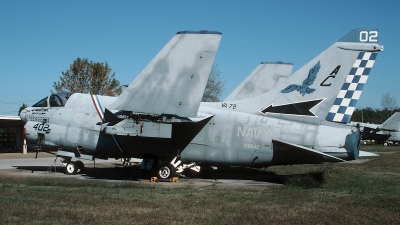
(117, 144)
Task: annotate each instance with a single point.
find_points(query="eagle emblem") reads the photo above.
(304, 87)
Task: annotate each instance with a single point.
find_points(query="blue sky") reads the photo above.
(40, 39)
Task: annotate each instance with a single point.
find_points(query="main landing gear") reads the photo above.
(167, 170)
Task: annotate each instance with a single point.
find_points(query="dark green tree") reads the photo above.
(370, 115)
(22, 108)
(215, 86)
(89, 77)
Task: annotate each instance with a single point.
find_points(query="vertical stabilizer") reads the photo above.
(345, 102)
(174, 81)
(365, 43)
(392, 124)
(326, 88)
(263, 78)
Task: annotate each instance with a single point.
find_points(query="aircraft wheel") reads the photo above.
(166, 171)
(385, 144)
(80, 165)
(71, 168)
(126, 161)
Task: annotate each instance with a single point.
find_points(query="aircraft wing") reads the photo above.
(391, 124)
(174, 81)
(285, 153)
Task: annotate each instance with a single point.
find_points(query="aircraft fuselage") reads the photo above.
(243, 140)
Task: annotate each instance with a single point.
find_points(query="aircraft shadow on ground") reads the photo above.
(134, 173)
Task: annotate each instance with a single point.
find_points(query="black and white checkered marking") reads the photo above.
(350, 93)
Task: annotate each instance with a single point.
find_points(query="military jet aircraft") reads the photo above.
(159, 117)
(388, 131)
(167, 92)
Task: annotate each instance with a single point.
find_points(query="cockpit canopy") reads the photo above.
(54, 100)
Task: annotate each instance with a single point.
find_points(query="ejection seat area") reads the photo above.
(54, 100)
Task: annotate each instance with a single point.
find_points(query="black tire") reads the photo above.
(166, 171)
(81, 166)
(71, 168)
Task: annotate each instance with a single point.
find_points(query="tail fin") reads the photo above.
(326, 88)
(345, 102)
(174, 81)
(392, 124)
(263, 78)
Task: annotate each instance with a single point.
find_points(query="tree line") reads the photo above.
(370, 115)
(377, 116)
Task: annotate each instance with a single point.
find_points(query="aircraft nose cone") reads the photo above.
(23, 115)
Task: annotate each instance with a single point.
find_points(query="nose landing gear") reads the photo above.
(73, 168)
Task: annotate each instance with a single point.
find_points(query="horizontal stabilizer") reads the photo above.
(174, 81)
(285, 153)
(391, 124)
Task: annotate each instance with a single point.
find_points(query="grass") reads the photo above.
(367, 193)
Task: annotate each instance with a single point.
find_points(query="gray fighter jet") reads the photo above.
(160, 119)
(385, 133)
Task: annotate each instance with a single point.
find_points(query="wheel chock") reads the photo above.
(153, 179)
(173, 180)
